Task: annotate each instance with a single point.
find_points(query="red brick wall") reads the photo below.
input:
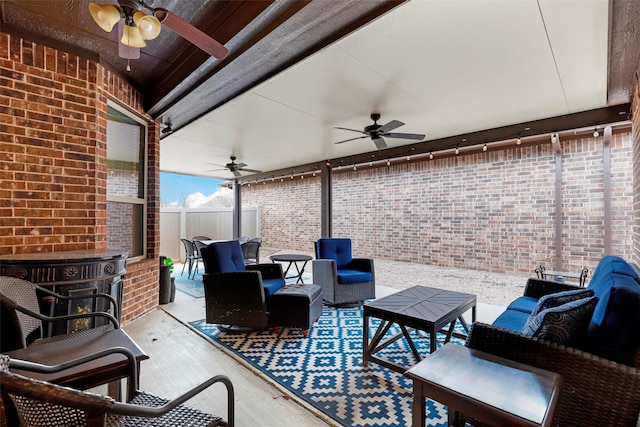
(289, 211)
(489, 211)
(53, 108)
(636, 173)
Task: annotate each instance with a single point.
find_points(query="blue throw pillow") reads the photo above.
(562, 324)
(560, 298)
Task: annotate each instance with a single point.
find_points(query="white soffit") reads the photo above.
(442, 67)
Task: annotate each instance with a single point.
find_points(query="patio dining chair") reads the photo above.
(192, 257)
(34, 403)
(23, 324)
(251, 251)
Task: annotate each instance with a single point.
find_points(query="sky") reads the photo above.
(176, 188)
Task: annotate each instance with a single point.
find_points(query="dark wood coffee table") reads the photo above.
(485, 387)
(420, 307)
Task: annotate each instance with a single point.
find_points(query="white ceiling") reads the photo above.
(442, 67)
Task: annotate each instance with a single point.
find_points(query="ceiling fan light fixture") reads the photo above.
(148, 25)
(106, 15)
(131, 37)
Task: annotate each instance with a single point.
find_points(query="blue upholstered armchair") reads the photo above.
(345, 281)
(235, 294)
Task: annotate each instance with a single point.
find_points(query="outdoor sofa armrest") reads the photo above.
(595, 391)
(268, 270)
(537, 288)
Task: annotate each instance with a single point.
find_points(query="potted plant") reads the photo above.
(167, 282)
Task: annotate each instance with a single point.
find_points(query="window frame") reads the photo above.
(136, 201)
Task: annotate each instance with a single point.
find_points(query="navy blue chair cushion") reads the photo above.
(562, 324)
(615, 325)
(271, 286)
(524, 304)
(512, 319)
(225, 257)
(346, 277)
(560, 298)
(338, 249)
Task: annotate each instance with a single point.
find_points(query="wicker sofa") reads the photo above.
(595, 391)
(600, 365)
(612, 329)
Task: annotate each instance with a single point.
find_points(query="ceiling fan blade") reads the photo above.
(415, 136)
(191, 33)
(240, 165)
(250, 170)
(216, 170)
(352, 130)
(351, 139)
(390, 126)
(236, 172)
(380, 143)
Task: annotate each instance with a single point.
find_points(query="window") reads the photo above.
(126, 172)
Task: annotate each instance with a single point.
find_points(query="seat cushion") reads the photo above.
(346, 277)
(512, 319)
(560, 298)
(338, 249)
(562, 324)
(614, 329)
(524, 304)
(271, 286)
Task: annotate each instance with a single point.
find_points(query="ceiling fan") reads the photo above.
(376, 132)
(135, 27)
(234, 167)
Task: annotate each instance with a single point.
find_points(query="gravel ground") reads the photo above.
(489, 287)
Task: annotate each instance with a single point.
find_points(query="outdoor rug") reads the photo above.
(194, 287)
(325, 369)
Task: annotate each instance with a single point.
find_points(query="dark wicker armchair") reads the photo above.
(595, 391)
(22, 322)
(235, 294)
(34, 403)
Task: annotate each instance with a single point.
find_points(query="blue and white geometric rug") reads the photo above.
(325, 369)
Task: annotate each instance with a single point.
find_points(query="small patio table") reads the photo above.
(292, 259)
(485, 387)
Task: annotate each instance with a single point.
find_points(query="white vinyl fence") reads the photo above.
(216, 223)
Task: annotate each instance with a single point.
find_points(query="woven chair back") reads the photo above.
(22, 293)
